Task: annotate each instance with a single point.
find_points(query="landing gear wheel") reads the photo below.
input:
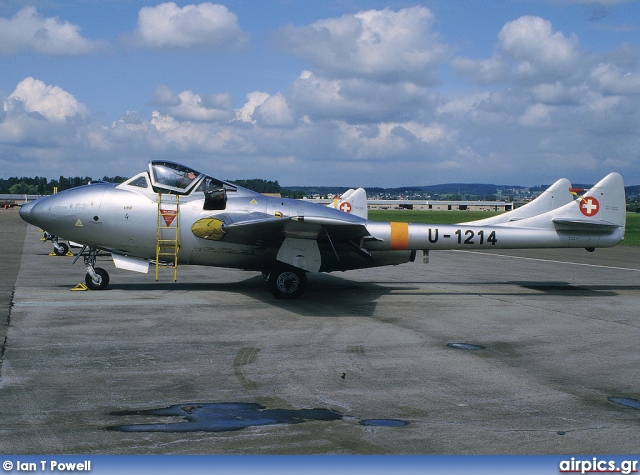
(61, 250)
(287, 283)
(104, 279)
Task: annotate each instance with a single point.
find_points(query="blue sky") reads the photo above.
(351, 92)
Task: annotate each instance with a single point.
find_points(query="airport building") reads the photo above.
(9, 201)
(433, 205)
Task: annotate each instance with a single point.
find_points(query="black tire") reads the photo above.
(63, 249)
(287, 282)
(104, 276)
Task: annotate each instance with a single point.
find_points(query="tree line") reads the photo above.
(43, 186)
(268, 186)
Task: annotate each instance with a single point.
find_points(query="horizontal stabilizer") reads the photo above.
(584, 224)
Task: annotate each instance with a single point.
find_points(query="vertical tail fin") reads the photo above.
(353, 202)
(554, 197)
(600, 212)
(604, 205)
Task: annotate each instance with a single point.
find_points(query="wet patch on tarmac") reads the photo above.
(625, 401)
(383, 422)
(220, 417)
(465, 346)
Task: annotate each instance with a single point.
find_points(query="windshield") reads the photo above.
(172, 177)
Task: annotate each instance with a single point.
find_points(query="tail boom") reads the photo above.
(408, 236)
(596, 219)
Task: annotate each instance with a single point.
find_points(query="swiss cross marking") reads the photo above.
(589, 206)
(346, 207)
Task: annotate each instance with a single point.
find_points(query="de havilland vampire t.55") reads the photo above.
(173, 214)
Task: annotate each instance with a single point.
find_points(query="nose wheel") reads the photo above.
(99, 281)
(96, 278)
(59, 248)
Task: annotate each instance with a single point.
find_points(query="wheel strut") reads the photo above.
(96, 278)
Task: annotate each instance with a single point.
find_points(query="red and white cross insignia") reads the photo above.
(346, 207)
(589, 206)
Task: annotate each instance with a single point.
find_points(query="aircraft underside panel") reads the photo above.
(301, 253)
(319, 257)
(350, 260)
(242, 257)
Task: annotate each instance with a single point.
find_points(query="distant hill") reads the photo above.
(632, 191)
(465, 188)
(445, 191)
(475, 189)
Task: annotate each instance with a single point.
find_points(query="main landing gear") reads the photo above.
(287, 282)
(96, 278)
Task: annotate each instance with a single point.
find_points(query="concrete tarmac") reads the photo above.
(359, 365)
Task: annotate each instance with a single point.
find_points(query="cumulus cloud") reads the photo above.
(37, 115)
(187, 105)
(274, 112)
(532, 53)
(542, 53)
(482, 71)
(610, 79)
(164, 96)
(254, 100)
(206, 25)
(536, 115)
(362, 103)
(553, 103)
(357, 99)
(380, 45)
(626, 55)
(558, 93)
(51, 102)
(28, 30)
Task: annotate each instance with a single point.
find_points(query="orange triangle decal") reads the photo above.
(168, 215)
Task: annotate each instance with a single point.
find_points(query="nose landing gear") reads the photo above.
(96, 278)
(59, 248)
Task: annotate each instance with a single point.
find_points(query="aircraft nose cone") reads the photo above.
(25, 211)
(36, 213)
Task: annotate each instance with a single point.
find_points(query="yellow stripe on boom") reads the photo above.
(399, 236)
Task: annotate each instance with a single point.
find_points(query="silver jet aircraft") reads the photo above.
(172, 214)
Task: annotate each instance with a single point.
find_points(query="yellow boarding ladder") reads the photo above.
(167, 237)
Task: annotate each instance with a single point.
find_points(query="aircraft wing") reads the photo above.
(262, 228)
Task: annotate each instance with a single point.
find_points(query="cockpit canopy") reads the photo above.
(173, 178)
